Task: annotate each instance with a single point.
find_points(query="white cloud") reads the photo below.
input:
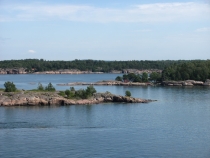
(31, 51)
(156, 12)
(204, 29)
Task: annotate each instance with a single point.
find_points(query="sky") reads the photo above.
(105, 30)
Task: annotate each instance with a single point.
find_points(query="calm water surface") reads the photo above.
(177, 125)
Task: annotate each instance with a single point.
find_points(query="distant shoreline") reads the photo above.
(75, 71)
(120, 83)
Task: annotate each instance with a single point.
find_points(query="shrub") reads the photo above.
(50, 87)
(127, 93)
(69, 94)
(62, 93)
(118, 78)
(40, 87)
(90, 90)
(81, 93)
(72, 89)
(9, 87)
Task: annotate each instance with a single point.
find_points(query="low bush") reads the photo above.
(127, 93)
(79, 94)
(9, 87)
(50, 87)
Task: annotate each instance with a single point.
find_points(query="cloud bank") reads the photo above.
(156, 12)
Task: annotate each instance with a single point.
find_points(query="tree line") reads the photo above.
(38, 65)
(144, 77)
(194, 70)
(172, 70)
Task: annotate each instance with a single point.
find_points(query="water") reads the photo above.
(177, 125)
(30, 81)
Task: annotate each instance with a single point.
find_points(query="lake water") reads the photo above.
(177, 125)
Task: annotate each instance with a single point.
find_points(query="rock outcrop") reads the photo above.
(111, 83)
(120, 83)
(136, 71)
(186, 83)
(67, 71)
(27, 98)
(13, 71)
(207, 83)
(73, 71)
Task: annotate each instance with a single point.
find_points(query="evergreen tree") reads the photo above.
(154, 76)
(127, 93)
(10, 87)
(40, 87)
(144, 77)
(49, 87)
(118, 78)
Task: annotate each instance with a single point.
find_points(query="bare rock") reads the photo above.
(187, 84)
(199, 83)
(207, 82)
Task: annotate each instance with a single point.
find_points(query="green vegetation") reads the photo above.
(119, 78)
(144, 77)
(155, 77)
(79, 94)
(131, 77)
(40, 87)
(50, 87)
(1, 89)
(36, 65)
(194, 70)
(62, 93)
(10, 87)
(127, 93)
(191, 70)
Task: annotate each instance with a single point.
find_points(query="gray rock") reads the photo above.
(187, 84)
(207, 82)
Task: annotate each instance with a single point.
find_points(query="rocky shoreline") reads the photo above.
(28, 98)
(120, 83)
(72, 71)
(186, 83)
(101, 83)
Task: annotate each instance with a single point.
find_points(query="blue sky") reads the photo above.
(104, 30)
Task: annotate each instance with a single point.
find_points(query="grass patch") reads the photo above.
(36, 90)
(62, 93)
(2, 89)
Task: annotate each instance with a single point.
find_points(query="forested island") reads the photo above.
(139, 71)
(40, 65)
(188, 73)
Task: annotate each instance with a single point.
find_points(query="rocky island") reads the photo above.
(130, 83)
(30, 98)
(11, 96)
